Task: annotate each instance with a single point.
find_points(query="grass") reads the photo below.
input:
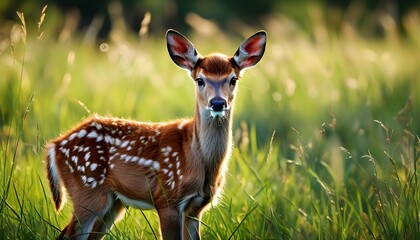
(326, 130)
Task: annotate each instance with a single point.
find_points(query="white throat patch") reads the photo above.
(215, 114)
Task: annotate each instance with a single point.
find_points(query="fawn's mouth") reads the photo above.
(217, 114)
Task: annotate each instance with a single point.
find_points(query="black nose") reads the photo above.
(217, 104)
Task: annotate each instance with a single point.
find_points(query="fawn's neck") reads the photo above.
(213, 138)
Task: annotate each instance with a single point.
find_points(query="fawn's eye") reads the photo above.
(233, 81)
(200, 82)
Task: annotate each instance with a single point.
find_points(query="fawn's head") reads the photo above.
(216, 74)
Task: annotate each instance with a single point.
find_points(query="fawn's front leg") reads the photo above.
(192, 226)
(170, 223)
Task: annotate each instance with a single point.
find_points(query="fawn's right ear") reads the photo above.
(181, 50)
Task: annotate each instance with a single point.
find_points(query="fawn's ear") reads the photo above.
(181, 50)
(251, 50)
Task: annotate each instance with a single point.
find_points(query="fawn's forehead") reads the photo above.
(216, 67)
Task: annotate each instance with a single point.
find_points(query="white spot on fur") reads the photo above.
(87, 156)
(128, 158)
(92, 134)
(155, 166)
(78, 148)
(166, 150)
(83, 179)
(72, 136)
(64, 142)
(65, 151)
(112, 149)
(99, 138)
(93, 166)
(98, 126)
(148, 162)
(108, 139)
(81, 133)
(125, 144)
(74, 159)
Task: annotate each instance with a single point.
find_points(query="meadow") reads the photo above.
(326, 126)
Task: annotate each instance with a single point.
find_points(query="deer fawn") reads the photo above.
(108, 164)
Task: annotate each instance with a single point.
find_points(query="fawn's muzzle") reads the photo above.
(218, 104)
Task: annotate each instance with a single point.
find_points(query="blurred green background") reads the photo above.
(366, 15)
(326, 126)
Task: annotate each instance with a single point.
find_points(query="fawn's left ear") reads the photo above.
(251, 50)
(181, 50)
